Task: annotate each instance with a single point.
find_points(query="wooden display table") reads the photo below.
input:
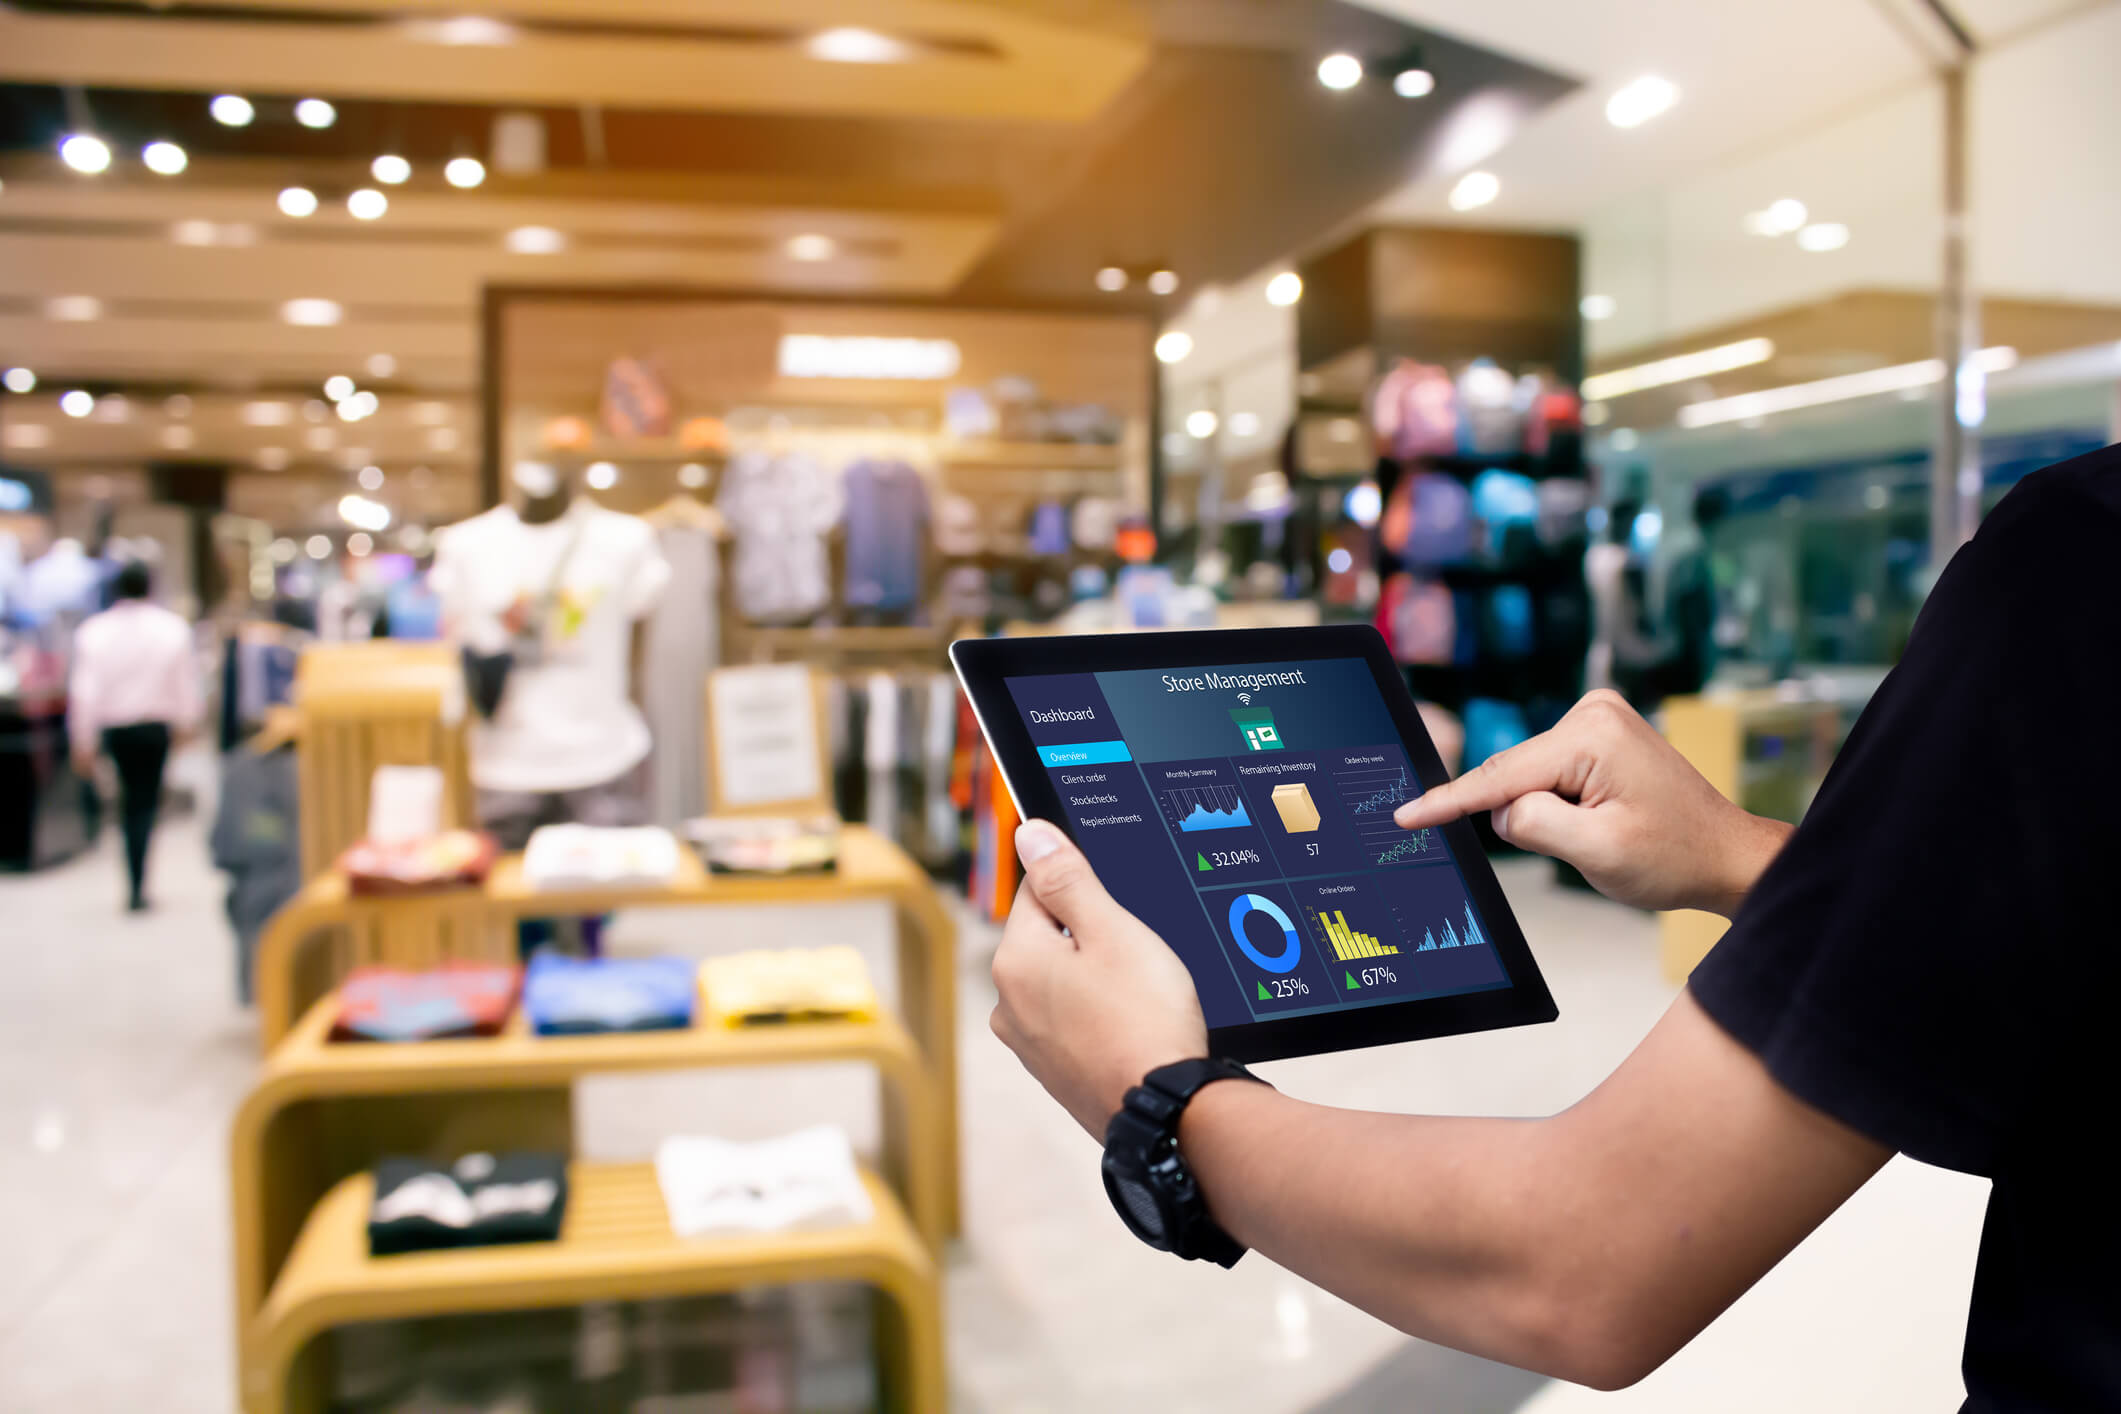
(324, 932)
(615, 1244)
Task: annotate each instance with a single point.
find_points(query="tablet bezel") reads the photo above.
(984, 663)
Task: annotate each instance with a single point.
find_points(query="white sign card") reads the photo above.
(764, 733)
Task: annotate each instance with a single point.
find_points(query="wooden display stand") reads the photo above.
(1763, 751)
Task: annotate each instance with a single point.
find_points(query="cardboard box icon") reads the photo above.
(1299, 815)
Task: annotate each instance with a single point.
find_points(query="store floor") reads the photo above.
(123, 1055)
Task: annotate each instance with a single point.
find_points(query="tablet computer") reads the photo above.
(1234, 789)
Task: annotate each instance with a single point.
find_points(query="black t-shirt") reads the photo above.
(1934, 958)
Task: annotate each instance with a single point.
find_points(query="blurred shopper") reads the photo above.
(134, 692)
(1923, 966)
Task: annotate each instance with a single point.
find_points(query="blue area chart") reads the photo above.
(1433, 940)
(1194, 808)
(1243, 907)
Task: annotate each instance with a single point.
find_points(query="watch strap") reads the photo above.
(1153, 1109)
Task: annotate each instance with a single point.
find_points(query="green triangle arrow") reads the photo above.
(1263, 992)
(1200, 862)
(1351, 980)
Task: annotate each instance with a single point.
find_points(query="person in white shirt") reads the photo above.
(134, 691)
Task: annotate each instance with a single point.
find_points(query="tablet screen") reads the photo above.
(1245, 813)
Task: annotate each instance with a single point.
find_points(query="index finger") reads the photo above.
(1529, 766)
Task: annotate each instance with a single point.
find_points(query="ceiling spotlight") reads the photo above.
(366, 204)
(1244, 424)
(1416, 82)
(371, 478)
(77, 402)
(338, 387)
(1788, 213)
(1596, 307)
(1286, 288)
(315, 113)
(164, 158)
(1340, 71)
(213, 233)
(267, 413)
(113, 407)
(19, 380)
(1112, 279)
(464, 172)
(601, 476)
(849, 45)
(1201, 424)
(359, 543)
(390, 169)
(692, 476)
(357, 406)
(298, 202)
(311, 313)
(86, 155)
(232, 110)
(317, 546)
(1637, 102)
(1162, 282)
(461, 30)
(1172, 347)
(73, 309)
(382, 366)
(810, 246)
(1823, 235)
(1475, 189)
(536, 240)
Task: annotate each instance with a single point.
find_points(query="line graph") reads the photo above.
(1371, 794)
(1194, 808)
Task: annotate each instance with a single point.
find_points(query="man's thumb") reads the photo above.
(1060, 878)
(1544, 823)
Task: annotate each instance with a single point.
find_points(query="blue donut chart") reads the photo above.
(1292, 951)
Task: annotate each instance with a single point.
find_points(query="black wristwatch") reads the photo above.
(1148, 1181)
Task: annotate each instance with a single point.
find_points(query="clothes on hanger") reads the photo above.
(681, 648)
(780, 507)
(887, 518)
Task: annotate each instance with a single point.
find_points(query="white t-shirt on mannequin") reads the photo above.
(566, 720)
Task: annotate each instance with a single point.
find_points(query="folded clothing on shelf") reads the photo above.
(788, 984)
(766, 844)
(567, 996)
(480, 1200)
(807, 1179)
(450, 858)
(595, 856)
(457, 999)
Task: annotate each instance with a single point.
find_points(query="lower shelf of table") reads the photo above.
(615, 1244)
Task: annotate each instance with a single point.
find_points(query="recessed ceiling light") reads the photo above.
(164, 158)
(298, 202)
(317, 546)
(85, 154)
(1244, 424)
(1340, 71)
(850, 45)
(464, 172)
(19, 380)
(1112, 279)
(390, 169)
(73, 309)
(1414, 83)
(1286, 288)
(811, 246)
(371, 478)
(1823, 235)
(536, 240)
(1475, 189)
(1201, 423)
(356, 406)
(366, 204)
(77, 402)
(267, 414)
(1778, 218)
(1162, 282)
(311, 313)
(213, 233)
(232, 110)
(1637, 102)
(430, 414)
(1596, 307)
(464, 30)
(338, 387)
(315, 113)
(178, 437)
(26, 436)
(601, 476)
(692, 476)
(1173, 346)
(113, 407)
(382, 365)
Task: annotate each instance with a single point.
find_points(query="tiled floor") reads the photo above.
(122, 1056)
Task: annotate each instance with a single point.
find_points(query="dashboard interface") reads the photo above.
(1245, 813)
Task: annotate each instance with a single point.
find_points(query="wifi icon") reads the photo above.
(1245, 697)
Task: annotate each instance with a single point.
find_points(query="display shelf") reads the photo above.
(1031, 456)
(615, 1244)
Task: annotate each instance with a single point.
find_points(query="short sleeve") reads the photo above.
(1931, 958)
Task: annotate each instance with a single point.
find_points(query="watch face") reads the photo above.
(1137, 1206)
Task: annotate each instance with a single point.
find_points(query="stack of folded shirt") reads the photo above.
(445, 860)
(459, 999)
(479, 1201)
(594, 857)
(566, 996)
(790, 984)
(807, 1179)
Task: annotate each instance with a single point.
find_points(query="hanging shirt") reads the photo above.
(681, 648)
(887, 525)
(566, 719)
(780, 509)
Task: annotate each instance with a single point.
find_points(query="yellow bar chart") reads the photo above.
(1349, 944)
